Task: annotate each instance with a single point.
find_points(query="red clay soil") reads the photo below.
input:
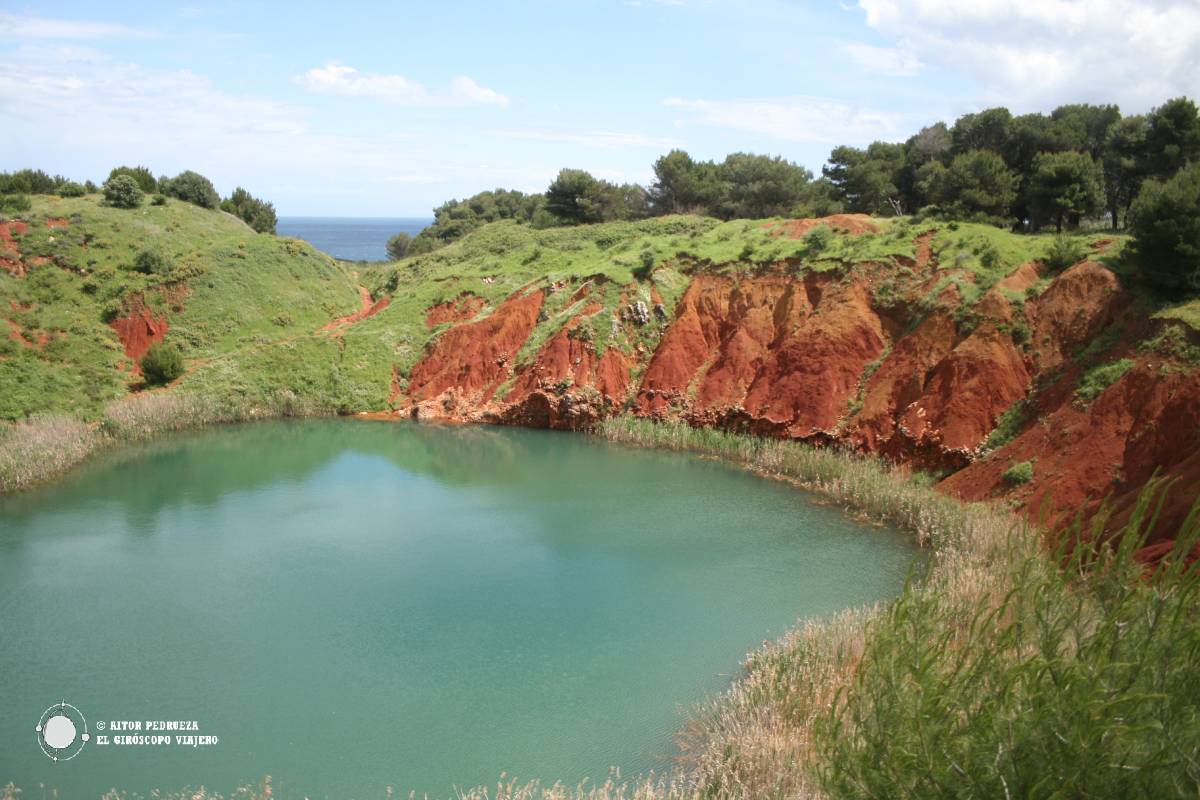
(462, 308)
(1147, 420)
(567, 385)
(899, 383)
(368, 308)
(853, 224)
(464, 366)
(10, 253)
(57, 222)
(1079, 304)
(138, 328)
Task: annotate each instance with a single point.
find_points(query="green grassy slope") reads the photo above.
(227, 292)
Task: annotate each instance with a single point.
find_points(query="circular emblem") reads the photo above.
(62, 731)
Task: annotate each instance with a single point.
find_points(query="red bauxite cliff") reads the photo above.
(818, 357)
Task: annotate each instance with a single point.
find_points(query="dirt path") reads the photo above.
(368, 308)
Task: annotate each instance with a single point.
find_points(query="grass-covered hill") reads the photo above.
(75, 270)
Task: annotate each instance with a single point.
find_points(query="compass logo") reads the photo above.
(62, 731)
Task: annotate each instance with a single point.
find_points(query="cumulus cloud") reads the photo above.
(800, 119)
(16, 26)
(1034, 54)
(337, 78)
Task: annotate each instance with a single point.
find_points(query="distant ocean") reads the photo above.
(351, 238)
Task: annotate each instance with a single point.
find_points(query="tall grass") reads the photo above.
(1081, 681)
(45, 446)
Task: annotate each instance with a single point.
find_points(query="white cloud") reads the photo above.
(892, 61)
(469, 91)
(29, 27)
(337, 78)
(800, 119)
(76, 110)
(1034, 54)
(590, 138)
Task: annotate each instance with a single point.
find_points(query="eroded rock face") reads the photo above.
(460, 373)
(817, 357)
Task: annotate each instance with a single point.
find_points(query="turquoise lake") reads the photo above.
(349, 605)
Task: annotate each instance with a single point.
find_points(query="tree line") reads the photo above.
(127, 187)
(1028, 172)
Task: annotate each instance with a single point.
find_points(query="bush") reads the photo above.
(151, 262)
(162, 364)
(144, 177)
(15, 203)
(158, 200)
(258, 214)
(397, 246)
(192, 187)
(1063, 252)
(1019, 473)
(71, 189)
(122, 192)
(1165, 223)
(817, 240)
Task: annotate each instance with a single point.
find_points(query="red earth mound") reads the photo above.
(853, 224)
(460, 309)
(10, 253)
(464, 366)
(138, 328)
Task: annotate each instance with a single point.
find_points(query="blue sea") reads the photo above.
(351, 238)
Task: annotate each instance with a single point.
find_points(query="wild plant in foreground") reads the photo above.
(1075, 682)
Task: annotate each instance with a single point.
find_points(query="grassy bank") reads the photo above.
(45, 446)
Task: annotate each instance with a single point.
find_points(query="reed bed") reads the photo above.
(43, 447)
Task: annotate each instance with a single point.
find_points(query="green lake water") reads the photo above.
(349, 605)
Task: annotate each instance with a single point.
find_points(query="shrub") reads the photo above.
(1165, 223)
(144, 177)
(646, 265)
(15, 203)
(1019, 473)
(122, 191)
(1063, 252)
(817, 240)
(397, 246)
(258, 214)
(162, 364)
(158, 200)
(71, 189)
(192, 187)
(151, 262)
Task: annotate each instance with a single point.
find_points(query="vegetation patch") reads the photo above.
(1099, 378)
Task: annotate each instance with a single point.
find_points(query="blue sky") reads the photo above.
(388, 109)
